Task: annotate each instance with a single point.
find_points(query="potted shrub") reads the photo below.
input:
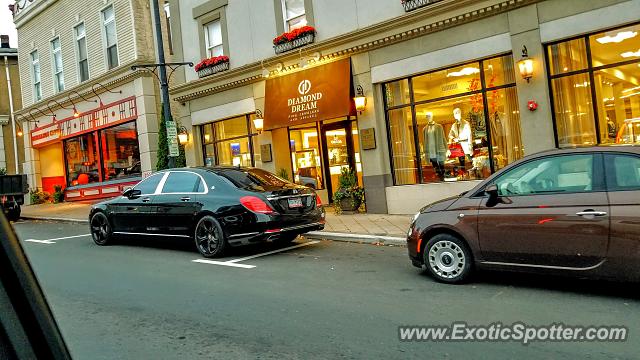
(350, 195)
(294, 39)
(212, 66)
(58, 195)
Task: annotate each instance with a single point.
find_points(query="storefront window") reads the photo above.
(397, 93)
(120, 152)
(599, 103)
(306, 158)
(229, 142)
(567, 56)
(81, 158)
(403, 147)
(109, 154)
(448, 123)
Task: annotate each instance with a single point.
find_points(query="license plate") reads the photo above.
(295, 203)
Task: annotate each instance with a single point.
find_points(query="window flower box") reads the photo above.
(410, 5)
(294, 39)
(212, 66)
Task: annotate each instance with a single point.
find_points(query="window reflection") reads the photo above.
(403, 149)
(81, 158)
(305, 154)
(618, 96)
(228, 142)
(573, 110)
(120, 152)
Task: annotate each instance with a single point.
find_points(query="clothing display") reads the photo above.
(461, 130)
(435, 145)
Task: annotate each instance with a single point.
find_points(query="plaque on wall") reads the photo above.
(265, 153)
(368, 139)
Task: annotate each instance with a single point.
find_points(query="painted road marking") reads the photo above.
(273, 252)
(53, 241)
(223, 263)
(234, 262)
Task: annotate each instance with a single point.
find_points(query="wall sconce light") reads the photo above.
(183, 135)
(526, 65)
(258, 122)
(360, 100)
(19, 132)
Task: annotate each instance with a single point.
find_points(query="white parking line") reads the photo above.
(223, 263)
(53, 241)
(234, 262)
(273, 252)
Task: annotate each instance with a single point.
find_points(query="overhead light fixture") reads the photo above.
(617, 38)
(464, 72)
(629, 54)
(360, 100)
(525, 65)
(183, 135)
(258, 122)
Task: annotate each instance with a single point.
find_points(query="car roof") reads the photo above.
(635, 149)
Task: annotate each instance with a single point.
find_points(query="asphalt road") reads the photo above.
(147, 299)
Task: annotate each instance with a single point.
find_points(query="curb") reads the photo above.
(357, 238)
(47, 218)
(320, 235)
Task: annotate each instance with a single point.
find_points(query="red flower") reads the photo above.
(211, 62)
(294, 34)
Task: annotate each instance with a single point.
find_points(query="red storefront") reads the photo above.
(94, 154)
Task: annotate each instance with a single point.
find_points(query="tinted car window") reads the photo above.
(252, 179)
(625, 174)
(181, 182)
(572, 173)
(149, 185)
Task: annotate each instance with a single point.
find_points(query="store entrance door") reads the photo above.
(340, 150)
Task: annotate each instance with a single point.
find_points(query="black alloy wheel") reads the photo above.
(209, 237)
(101, 229)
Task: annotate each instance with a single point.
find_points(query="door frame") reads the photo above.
(343, 124)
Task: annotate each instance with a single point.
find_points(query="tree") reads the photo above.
(163, 147)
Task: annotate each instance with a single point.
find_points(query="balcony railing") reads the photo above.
(410, 5)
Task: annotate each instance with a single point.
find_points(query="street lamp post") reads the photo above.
(161, 66)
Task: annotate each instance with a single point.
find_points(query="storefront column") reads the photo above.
(537, 126)
(148, 124)
(376, 175)
(31, 166)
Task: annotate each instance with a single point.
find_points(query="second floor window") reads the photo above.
(81, 52)
(58, 75)
(294, 14)
(213, 38)
(35, 75)
(109, 24)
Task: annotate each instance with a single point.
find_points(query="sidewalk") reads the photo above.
(365, 228)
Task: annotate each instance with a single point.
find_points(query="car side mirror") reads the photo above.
(131, 193)
(492, 191)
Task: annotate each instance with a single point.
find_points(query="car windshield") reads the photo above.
(252, 179)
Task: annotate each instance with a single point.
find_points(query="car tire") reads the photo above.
(286, 239)
(448, 259)
(101, 230)
(209, 237)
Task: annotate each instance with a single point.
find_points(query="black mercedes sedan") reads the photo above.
(217, 207)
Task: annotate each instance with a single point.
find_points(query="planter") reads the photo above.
(294, 44)
(213, 69)
(347, 204)
(410, 5)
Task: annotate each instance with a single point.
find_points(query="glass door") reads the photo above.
(339, 152)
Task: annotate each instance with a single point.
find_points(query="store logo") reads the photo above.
(304, 87)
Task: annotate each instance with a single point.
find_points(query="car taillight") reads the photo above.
(318, 201)
(256, 205)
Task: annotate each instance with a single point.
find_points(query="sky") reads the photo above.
(6, 22)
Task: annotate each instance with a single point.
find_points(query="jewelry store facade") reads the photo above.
(446, 102)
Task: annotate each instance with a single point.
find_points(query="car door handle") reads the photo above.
(591, 213)
(146, 200)
(186, 198)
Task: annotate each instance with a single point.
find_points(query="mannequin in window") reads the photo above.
(461, 133)
(435, 145)
(612, 128)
